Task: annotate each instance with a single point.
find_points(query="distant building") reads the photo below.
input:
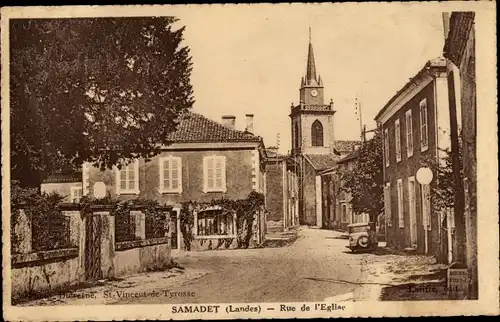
(281, 191)
(68, 185)
(208, 160)
(416, 128)
(336, 203)
(313, 145)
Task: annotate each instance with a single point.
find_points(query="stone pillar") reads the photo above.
(107, 239)
(140, 222)
(22, 233)
(76, 233)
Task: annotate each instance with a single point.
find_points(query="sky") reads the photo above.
(250, 59)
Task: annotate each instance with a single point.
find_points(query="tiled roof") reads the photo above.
(321, 161)
(351, 156)
(197, 128)
(63, 177)
(345, 146)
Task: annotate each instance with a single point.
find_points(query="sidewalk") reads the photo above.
(126, 289)
(398, 276)
(275, 239)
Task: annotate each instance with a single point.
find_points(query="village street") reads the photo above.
(316, 267)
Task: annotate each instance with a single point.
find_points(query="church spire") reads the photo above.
(311, 66)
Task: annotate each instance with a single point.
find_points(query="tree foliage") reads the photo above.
(99, 90)
(364, 179)
(444, 184)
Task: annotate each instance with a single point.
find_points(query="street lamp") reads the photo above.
(424, 177)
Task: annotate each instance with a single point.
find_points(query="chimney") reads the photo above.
(249, 127)
(229, 121)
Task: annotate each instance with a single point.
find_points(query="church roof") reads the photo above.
(311, 67)
(321, 161)
(196, 128)
(345, 146)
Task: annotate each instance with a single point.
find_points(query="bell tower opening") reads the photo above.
(317, 133)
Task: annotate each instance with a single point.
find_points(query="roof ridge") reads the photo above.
(222, 125)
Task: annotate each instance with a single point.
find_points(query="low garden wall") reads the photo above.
(36, 272)
(142, 256)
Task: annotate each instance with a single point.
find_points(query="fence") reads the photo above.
(157, 224)
(124, 227)
(51, 253)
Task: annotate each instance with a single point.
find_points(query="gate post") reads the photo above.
(76, 233)
(107, 239)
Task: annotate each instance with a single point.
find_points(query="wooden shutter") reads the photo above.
(423, 124)
(218, 173)
(131, 176)
(409, 134)
(174, 170)
(123, 179)
(210, 172)
(426, 206)
(400, 203)
(387, 205)
(166, 174)
(397, 133)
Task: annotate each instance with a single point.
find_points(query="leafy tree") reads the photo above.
(444, 185)
(102, 90)
(364, 179)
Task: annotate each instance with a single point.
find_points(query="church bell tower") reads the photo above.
(312, 119)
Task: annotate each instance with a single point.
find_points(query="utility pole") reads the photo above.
(357, 106)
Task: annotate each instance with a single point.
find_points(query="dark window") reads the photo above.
(317, 133)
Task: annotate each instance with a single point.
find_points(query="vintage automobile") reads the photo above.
(362, 236)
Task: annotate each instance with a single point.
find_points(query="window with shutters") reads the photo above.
(397, 134)
(127, 179)
(170, 175)
(214, 168)
(76, 194)
(387, 204)
(386, 147)
(424, 129)
(401, 220)
(409, 134)
(317, 133)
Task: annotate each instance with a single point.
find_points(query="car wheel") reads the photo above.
(363, 242)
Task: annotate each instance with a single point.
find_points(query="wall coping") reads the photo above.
(96, 208)
(68, 206)
(165, 208)
(140, 243)
(36, 258)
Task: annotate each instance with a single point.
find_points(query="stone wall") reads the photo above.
(41, 273)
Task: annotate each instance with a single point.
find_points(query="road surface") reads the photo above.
(316, 267)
